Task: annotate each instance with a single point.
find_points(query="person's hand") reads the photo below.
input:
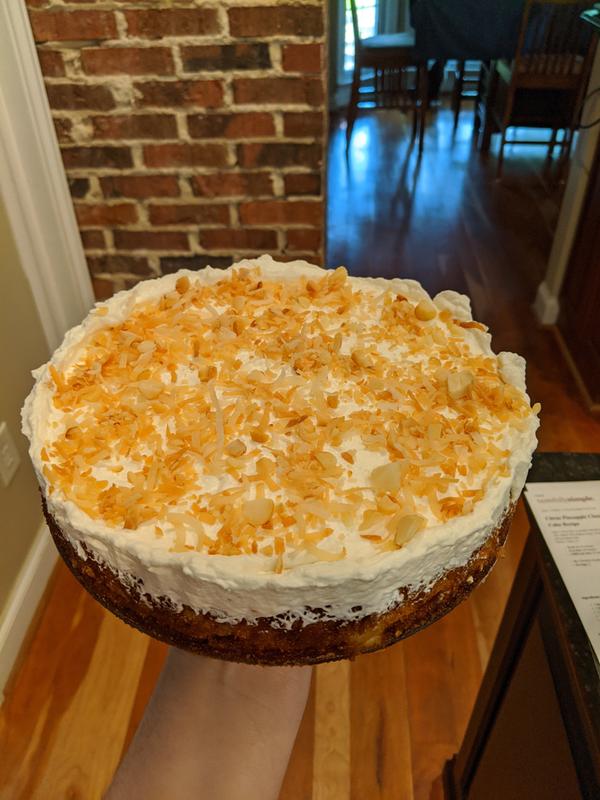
(214, 730)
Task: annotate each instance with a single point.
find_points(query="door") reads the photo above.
(579, 320)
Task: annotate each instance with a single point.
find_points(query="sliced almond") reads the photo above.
(406, 527)
(236, 448)
(264, 466)
(459, 383)
(259, 436)
(182, 284)
(326, 460)
(333, 400)
(425, 311)
(150, 388)
(362, 359)
(258, 512)
(388, 477)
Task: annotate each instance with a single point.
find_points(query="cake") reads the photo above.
(279, 464)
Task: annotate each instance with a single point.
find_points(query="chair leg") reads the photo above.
(457, 92)
(565, 151)
(506, 120)
(478, 99)
(500, 163)
(552, 143)
(489, 123)
(352, 110)
(423, 91)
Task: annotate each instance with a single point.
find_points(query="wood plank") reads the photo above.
(443, 674)
(488, 600)
(298, 781)
(381, 766)
(382, 726)
(75, 741)
(331, 754)
(156, 654)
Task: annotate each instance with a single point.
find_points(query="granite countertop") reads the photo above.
(571, 467)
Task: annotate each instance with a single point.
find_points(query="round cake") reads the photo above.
(280, 464)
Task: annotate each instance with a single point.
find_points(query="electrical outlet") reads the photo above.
(9, 456)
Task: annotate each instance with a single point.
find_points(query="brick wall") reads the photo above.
(191, 133)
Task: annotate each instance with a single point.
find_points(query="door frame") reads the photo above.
(33, 184)
(34, 190)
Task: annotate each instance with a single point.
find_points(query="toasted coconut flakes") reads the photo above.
(411, 410)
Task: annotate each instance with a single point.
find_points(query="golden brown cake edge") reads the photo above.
(261, 642)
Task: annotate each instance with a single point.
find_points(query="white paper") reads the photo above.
(568, 515)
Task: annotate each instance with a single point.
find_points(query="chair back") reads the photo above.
(355, 24)
(554, 44)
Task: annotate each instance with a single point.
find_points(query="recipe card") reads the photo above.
(568, 515)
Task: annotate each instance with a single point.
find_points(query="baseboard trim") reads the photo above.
(23, 602)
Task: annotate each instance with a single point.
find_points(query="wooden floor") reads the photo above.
(380, 727)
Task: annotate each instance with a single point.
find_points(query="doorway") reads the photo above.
(374, 16)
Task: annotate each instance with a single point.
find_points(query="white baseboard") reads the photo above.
(546, 305)
(23, 601)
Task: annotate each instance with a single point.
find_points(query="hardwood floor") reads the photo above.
(380, 727)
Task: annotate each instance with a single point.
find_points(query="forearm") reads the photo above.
(214, 730)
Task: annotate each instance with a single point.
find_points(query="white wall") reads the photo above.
(23, 346)
(547, 302)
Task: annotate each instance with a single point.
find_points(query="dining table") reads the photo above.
(479, 30)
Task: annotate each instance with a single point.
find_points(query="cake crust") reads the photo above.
(262, 641)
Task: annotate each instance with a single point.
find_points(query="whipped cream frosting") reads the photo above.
(244, 587)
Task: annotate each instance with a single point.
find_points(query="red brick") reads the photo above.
(185, 155)
(170, 264)
(302, 183)
(151, 240)
(204, 94)
(97, 157)
(36, 3)
(52, 64)
(103, 289)
(303, 124)
(230, 126)
(301, 57)
(127, 61)
(304, 239)
(157, 23)
(280, 154)
(278, 212)
(138, 265)
(72, 26)
(227, 239)
(92, 240)
(198, 58)
(293, 91)
(233, 184)
(63, 128)
(201, 214)
(276, 21)
(119, 214)
(140, 186)
(76, 96)
(141, 126)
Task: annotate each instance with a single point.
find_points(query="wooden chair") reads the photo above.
(467, 86)
(543, 86)
(392, 58)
